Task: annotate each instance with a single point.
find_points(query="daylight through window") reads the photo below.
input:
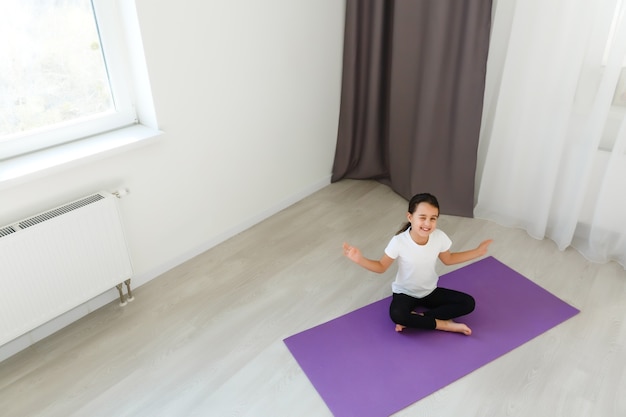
(61, 73)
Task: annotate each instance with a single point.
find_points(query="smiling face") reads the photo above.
(423, 222)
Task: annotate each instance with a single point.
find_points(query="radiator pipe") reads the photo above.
(119, 289)
(130, 293)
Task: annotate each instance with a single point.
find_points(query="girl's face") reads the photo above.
(423, 221)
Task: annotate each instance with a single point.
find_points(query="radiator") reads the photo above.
(53, 262)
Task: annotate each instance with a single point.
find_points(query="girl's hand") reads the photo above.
(352, 253)
(483, 247)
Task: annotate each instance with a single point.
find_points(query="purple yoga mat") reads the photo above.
(361, 367)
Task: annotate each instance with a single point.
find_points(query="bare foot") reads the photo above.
(399, 328)
(452, 326)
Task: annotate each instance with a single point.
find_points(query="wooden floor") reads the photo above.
(205, 339)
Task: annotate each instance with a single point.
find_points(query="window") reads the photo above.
(619, 99)
(68, 72)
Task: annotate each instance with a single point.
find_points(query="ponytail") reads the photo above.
(404, 228)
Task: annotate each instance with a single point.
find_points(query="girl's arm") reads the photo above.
(449, 258)
(354, 254)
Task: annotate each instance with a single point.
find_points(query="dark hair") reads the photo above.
(414, 202)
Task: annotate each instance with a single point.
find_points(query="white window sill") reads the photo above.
(40, 163)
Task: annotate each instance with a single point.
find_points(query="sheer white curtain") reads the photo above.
(552, 153)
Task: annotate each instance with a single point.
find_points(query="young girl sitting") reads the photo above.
(417, 246)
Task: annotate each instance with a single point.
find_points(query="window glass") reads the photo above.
(53, 71)
(67, 73)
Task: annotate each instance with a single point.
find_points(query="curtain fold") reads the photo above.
(360, 152)
(412, 94)
(551, 153)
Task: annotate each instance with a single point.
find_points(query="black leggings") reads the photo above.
(442, 303)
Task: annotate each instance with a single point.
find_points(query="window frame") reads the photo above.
(122, 48)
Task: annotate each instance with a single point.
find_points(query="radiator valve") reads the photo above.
(120, 193)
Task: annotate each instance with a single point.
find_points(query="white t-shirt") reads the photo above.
(416, 263)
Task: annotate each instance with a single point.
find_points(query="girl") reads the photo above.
(416, 246)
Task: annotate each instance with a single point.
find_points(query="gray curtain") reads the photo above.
(412, 94)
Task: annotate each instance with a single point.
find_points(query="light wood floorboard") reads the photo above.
(205, 339)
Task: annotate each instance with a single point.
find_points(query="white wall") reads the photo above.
(247, 93)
